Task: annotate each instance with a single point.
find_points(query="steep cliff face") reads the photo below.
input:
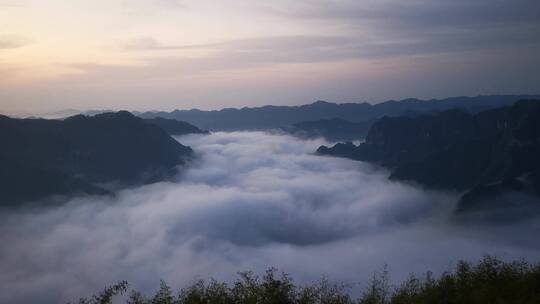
(457, 150)
(81, 154)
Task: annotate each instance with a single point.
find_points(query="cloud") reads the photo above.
(13, 42)
(155, 4)
(258, 51)
(151, 44)
(250, 201)
(304, 50)
(357, 46)
(434, 25)
(384, 30)
(240, 54)
(270, 52)
(11, 3)
(419, 14)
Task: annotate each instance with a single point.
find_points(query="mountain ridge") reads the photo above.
(275, 117)
(175, 127)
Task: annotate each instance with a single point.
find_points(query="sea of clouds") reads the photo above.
(249, 201)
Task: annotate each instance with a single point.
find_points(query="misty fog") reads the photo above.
(249, 201)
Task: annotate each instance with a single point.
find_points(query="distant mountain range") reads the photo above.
(275, 117)
(485, 154)
(82, 155)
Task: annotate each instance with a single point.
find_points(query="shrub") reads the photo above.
(489, 281)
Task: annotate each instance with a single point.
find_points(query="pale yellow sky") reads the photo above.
(166, 54)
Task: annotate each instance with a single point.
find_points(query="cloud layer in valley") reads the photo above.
(249, 201)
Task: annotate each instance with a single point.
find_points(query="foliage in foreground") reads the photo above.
(489, 281)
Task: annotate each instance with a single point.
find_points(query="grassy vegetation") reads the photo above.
(488, 281)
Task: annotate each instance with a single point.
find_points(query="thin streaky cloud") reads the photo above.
(151, 44)
(13, 42)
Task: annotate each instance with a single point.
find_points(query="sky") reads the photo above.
(250, 201)
(168, 54)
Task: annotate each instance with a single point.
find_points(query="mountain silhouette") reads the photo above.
(484, 154)
(275, 117)
(82, 155)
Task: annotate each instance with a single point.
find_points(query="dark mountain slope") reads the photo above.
(175, 127)
(273, 117)
(40, 158)
(487, 153)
